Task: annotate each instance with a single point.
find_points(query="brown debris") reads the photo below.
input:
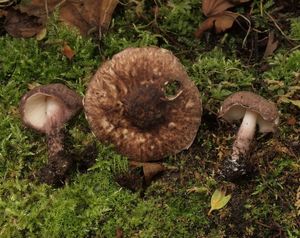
(220, 22)
(291, 121)
(19, 24)
(139, 175)
(271, 45)
(218, 16)
(215, 7)
(150, 170)
(86, 15)
(119, 233)
(67, 51)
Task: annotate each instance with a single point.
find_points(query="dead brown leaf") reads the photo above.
(41, 35)
(19, 24)
(271, 45)
(67, 51)
(39, 8)
(291, 121)
(139, 175)
(119, 233)
(220, 22)
(218, 17)
(149, 169)
(214, 7)
(86, 15)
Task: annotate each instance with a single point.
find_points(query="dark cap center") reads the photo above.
(145, 107)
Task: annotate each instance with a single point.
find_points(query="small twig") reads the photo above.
(291, 50)
(278, 27)
(262, 224)
(248, 31)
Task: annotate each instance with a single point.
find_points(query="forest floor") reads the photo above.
(176, 204)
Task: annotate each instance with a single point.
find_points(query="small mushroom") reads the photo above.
(253, 109)
(6, 3)
(127, 104)
(46, 109)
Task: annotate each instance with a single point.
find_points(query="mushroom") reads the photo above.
(46, 109)
(127, 104)
(6, 3)
(253, 109)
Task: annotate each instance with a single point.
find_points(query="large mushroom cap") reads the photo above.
(235, 106)
(126, 105)
(49, 106)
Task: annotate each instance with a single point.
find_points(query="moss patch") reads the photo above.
(92, 204)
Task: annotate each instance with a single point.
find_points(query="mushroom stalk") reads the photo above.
(236, 165)
(46, 109)
(58, 162)
(244, 136)
(55, 144)
(253, 109)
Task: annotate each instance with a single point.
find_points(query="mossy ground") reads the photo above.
(92, 204)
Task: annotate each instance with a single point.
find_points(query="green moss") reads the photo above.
(283, 78)
(284, 68)
(218, 76)
(92, 204)
(295, 28)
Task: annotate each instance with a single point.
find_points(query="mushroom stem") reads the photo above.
(55, 140)
(244, 136)
(58, 162)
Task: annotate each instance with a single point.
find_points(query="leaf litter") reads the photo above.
(218, 17)
(88, 16)
(271, 45)
(219, 200)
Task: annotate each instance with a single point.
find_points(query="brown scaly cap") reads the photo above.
(49, 106)
(235, 106)
(125, 104)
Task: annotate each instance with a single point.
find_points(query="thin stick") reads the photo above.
(278, 27)
(46, 8)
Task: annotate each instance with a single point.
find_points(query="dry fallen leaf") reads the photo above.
(149, 169)
(292, 121)
(41, 35)
(19, 24)
(271, 45)
(139, 175)
(218, 200)
(218, 17)
(214, 7)
(119, 232)
(220, 22)
(87, 15)
(67, 51)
